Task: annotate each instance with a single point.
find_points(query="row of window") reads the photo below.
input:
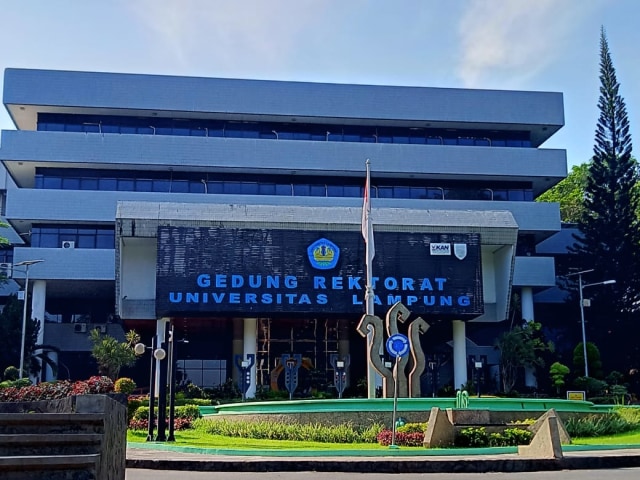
(69, 237)
(279, 131)
(233, 187)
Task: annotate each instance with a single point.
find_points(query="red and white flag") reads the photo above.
(367, 226)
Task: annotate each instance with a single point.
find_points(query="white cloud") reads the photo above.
(228, 35)
(514, 39)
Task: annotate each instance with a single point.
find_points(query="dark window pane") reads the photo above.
(318, 191)
(105, 241)
(52, 183)
(335, 191)
(353, 191)
(385, 192)
(516, 195)
(180, 186)
(86, 241)
(144, 185)
(232, 188)
(284, 189)
(500, 195)
(435, 193)
(267, 189)
(301, 190)
(216, 187)
(108, 184)
(418, 192)
(71, 184)
(249, 188)
(49, 240)
(401, 192)
(161, 185)
(88, 184)
(126, 185)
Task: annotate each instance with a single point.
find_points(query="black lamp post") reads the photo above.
(171, 380)
(162, 398)
(156, 354)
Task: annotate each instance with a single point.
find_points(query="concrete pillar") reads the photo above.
(161, 329)
(237, 347)
(38, 301)
(526, 301)
(250, 346)
(459, 354)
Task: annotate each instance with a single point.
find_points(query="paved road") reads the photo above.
(617, 474)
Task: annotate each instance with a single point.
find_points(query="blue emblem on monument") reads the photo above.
(323, 254)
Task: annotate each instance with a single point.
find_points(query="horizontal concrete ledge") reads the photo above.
(50, 418)
(389, 465)
(53, 462)
(50, 439)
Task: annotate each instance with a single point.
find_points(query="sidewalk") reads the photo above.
(156, 456)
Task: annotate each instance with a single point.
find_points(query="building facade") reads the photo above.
(231, 210)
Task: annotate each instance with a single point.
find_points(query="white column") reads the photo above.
(38, 299)
(250, 346)
(161, 329)
(526, 301)
(459, 354)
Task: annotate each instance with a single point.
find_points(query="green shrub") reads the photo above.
(630, 414)
(186, 411)
(132, 407)
(264, 430)
(124, 385)
(201, 402)
(472, 437)
(11, 373)
(413, 428)
(510, 437)
(598, 425)
(19, 383)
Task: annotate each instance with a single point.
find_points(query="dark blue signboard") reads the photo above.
(210, 270)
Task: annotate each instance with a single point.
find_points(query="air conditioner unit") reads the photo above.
(68, 244)
(102, 328)
(6, 270)
(80, 328)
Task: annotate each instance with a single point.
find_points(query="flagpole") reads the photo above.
(367, 233)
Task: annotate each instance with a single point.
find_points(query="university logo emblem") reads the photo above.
(323, 254)
(460, 250)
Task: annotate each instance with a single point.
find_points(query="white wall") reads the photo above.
(138, 269)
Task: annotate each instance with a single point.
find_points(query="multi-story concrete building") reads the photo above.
(232, 210)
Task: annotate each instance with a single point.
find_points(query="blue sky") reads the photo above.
(546, 45)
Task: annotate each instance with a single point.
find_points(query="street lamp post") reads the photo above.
(156, 354)
(26, 264)
(584, 332)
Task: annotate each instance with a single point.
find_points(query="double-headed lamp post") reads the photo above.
(26, 264)
(584, 333)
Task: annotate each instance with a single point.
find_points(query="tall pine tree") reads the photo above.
(609, 239)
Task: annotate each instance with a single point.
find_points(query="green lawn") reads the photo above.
(629, 438)
(196, 438)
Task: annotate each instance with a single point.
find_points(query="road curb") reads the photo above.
(388, 465)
